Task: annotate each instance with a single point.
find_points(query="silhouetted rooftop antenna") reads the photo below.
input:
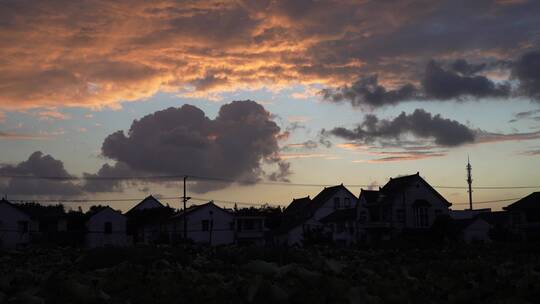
(469, 181)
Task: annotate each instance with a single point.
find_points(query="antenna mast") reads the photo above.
(469, 181)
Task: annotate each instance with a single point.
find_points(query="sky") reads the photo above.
(265, 101)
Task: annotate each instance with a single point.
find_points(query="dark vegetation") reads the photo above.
(497, 273)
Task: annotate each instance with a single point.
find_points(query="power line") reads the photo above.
(202, 199)
(224, 180)
(131, 200)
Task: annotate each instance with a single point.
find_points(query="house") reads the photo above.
(147, 221)
(302, 218)
(51, 223)
(525, 216)
(250, 226)
(343, 226)
(15, 226)
(406, 204)
(105, 227)
(206, 224)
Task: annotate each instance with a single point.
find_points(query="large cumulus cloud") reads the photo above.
(101, 53)
(38, 168)
(233, 146)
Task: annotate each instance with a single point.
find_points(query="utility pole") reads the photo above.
(469, 181)
(185, 199)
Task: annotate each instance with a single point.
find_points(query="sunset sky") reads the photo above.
(265, 95)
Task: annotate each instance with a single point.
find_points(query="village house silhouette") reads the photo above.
(405, 208)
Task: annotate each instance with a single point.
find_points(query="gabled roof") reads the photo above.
(98, 210)
(297, 205)
(148, 199)
(194, 208)
(399, 184)
(325, 195)
(531, 201)
(300, 210)
(340, 215)
(371, 196)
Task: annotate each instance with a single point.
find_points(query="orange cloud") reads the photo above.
(20, 136)
(100, 53)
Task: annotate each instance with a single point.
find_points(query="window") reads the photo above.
(205, 225)
(347, 202)
(400, 215)
(421, 217)
(336, 203)
(23, 226)
(108, 228)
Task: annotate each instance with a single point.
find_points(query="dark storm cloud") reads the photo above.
(421, 124)
(456, 82)
(185, 141)
(442, 84)
(367, 91)
(38, 165)
(463, 67)
(527, 71)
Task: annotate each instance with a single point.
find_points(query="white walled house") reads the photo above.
(206, 224)
(302, 218)
(15, 226)
(106, 227)
(404, 204)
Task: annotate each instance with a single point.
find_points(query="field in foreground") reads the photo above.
(494, 274)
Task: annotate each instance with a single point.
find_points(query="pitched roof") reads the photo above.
(300, 210)
(371, 196)
(148, 199)
(99, 209)
(325, 195)
(297, 205)
(400, 184)
(194, 208)
(531, 201)
(340, 215)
